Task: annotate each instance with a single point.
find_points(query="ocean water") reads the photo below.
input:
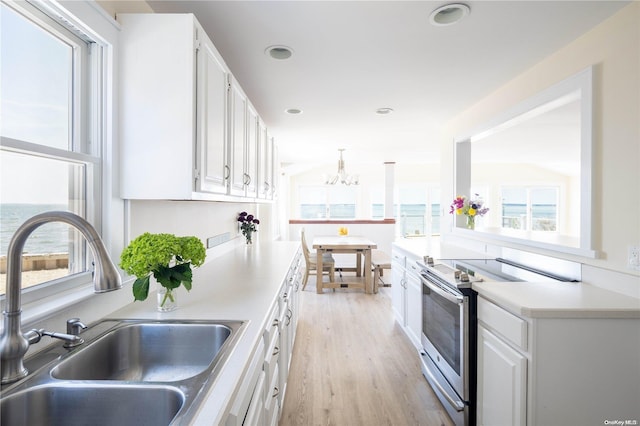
(48, 238)
(540, 210)
(412, 215)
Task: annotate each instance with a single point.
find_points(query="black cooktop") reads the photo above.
(500, 270)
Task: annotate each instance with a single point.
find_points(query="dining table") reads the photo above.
(361, 246)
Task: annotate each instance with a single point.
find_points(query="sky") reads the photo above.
(34, 107)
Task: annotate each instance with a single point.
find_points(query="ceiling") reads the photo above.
(353, 57)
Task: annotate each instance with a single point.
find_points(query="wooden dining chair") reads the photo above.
(310, 258)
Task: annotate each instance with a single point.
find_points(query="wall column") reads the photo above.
(389, 184)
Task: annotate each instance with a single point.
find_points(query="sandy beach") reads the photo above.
(31, 278)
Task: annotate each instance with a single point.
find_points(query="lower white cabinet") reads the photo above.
(248, 399)
(256, 414)
(502, 380)
(406, 293)
(398, 289)
(261, 395)
(414, 306)
(573, 368)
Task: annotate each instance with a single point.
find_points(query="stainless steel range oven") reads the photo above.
(449, 327)
(448, 336)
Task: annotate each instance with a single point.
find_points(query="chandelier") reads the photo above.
(342, 175)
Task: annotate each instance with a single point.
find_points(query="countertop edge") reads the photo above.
(574, 300)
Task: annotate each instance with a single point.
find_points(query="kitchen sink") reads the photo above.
(156, 352)
(129, 372)
(80, 405)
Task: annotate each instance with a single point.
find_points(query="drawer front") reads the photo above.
(272, 355)
(399, 259)
(271, 326)
(247, 389)
(511, 327)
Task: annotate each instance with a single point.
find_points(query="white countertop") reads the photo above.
(240, 285)
(559, 300)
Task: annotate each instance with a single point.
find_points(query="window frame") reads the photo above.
(88, 133)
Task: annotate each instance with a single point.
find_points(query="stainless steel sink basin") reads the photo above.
(129, 372)
(81, 405)
(158, 352)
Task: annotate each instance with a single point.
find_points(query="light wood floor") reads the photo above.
(352, 365)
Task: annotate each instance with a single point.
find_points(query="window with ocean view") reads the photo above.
(48, 117)
(530, 208)
(327, 202)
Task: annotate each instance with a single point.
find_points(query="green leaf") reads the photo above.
(141, 288)
(166, 277)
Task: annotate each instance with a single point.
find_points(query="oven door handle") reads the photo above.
(455, 403)
(450, 297)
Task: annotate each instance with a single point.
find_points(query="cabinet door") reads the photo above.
(238, 108)
(502, 382)
(213, 85)
(270, 168)
(398, 293)
(157, 60)
(251, 153)
(264, 158)
(255, 414)
(253, 381)
(414, 308)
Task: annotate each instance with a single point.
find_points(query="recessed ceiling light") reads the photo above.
(279, 52)
(384, 111)
(449, 14)
(293, 111)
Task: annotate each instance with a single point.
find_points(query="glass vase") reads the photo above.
(167, 299)
(471, 222)
(248, 237)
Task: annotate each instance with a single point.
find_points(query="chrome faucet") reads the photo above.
(13, 343)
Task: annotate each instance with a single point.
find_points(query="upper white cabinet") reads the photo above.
(212, 124)
(244, 143)
(188, 131)
(251, 152)
(238, 108)
(265, 166)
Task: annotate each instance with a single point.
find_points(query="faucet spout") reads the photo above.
(13, 343)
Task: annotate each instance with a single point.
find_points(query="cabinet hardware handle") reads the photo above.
(275, 322)
(227, 170)
(276, 351)
(455, 403)
(276, 391)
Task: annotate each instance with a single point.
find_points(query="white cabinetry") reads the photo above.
(251, 152)
(265, 167)
(414, 305)
(398, 288)
(158, 105)
(406, 293)
(502, 380)
(212, 123)
(244, 143)
(261, 394)
(556, 370)
(187, 129)
(250, 394)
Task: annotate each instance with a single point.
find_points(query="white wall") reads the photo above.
(613, 48)
(201, 219)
